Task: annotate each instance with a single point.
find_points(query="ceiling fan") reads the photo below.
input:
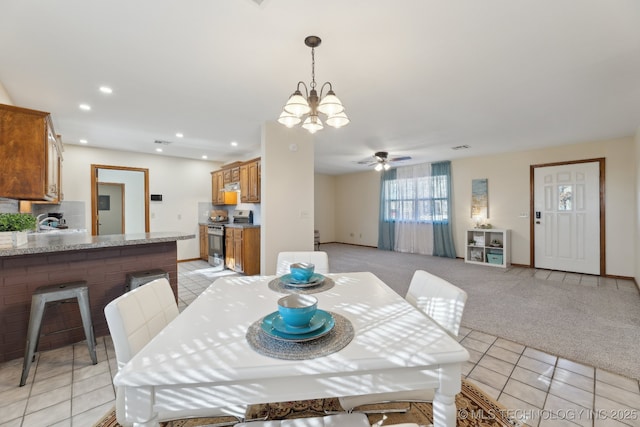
(382, 161)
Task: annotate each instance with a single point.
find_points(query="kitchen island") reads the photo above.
(60, 257)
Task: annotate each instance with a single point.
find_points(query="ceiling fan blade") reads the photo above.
(400, 159)
(367, 162)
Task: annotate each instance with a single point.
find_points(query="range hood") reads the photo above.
(232, 186)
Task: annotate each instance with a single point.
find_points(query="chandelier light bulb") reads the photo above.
(288, 119)
(313, 124)
(297, 104)
(338, 120)
(330, 104)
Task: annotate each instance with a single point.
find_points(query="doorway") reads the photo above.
(568, 216)
(111, 208)
(135, 205)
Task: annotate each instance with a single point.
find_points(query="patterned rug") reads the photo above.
(475, 409)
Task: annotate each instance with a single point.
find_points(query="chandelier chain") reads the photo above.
(313, 68)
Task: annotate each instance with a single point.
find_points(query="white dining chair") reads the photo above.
(134, 318)
(444, 303)
(439, 299)
(318, 258)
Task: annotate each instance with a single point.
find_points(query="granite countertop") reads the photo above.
(70, 241)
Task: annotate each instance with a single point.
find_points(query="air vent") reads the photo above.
(460, 147)
(160, 142)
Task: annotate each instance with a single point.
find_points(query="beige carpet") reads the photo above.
(597, 326)
(475, 409)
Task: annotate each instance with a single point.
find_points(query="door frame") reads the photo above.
(94, 194)
(603, 246)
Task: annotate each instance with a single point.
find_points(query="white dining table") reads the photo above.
(202, 359)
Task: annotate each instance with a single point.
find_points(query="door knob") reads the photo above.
(537, 222)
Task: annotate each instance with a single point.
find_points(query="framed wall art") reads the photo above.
(480, 199)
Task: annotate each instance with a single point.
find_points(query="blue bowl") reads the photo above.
(297, 309)
(301, 271)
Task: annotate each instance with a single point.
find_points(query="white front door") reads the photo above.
(567, 217)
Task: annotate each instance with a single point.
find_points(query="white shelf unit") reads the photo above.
(488, 246)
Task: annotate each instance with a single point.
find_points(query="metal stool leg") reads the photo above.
(85, 312)
(33, 335)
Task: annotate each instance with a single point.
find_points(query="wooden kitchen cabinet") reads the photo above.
(229, 258)
(242, 249)
(231, 174)
(250, 181)
(217, 188)
(204, 243)
(31, 155)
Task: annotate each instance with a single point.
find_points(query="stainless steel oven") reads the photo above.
(215, 235)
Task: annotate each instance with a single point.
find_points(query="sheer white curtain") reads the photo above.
(412, 236)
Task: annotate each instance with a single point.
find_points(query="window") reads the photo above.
(418, 199)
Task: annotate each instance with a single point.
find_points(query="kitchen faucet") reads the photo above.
(41, 225)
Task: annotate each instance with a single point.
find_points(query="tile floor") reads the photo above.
(64, 389)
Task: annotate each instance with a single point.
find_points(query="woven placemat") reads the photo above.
(279, 286)
(341, 335)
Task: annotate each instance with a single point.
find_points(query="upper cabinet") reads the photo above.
(250, 181)
(31, 155)
(217, 187)
(247, 174)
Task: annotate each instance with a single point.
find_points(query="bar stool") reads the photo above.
(139, 278)
(41, 296)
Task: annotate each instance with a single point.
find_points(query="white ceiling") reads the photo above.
(417, 77)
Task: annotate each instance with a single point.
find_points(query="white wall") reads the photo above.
(4, 96)
(357, 205)
(182, 182)
(356, 199)
(287, 193)
(325, 212)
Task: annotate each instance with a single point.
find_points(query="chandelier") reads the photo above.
(299, 107)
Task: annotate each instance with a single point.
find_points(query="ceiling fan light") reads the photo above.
(312, 124)
(330, 104)
(338, 120)
(378, 167)
(387, 166)
(297, 104)
(288, 119)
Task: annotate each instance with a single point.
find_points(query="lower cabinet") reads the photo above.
(204, 243)
(242, 249)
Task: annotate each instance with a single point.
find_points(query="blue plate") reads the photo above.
(315, 280)
(269, 329)
(317, 321)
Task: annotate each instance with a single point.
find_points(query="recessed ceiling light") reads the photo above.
(106, 89)
(159, 150)
(204, 157)
(179, 135)
(234, 144)
(85, 107)
(83, 141)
